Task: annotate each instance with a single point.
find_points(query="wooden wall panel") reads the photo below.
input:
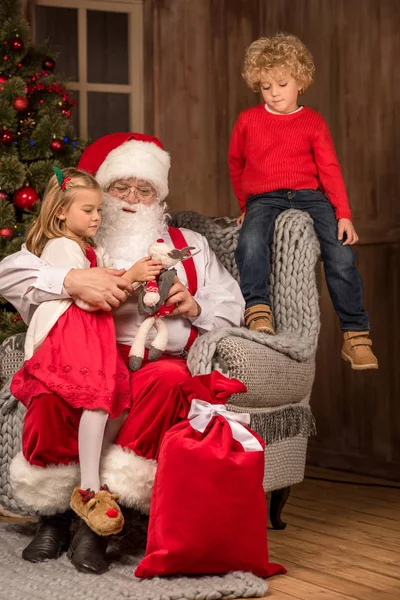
(358, 413)
(195, 51)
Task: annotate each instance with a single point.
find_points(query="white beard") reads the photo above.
(126, 236)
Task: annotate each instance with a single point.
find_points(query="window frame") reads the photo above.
(135, 86)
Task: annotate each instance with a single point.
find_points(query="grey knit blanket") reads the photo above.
(293, 286)
(59, 580)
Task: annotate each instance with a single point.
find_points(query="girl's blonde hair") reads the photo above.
(48, 225)
(283, 52)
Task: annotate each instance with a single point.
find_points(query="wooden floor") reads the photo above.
(342, 541)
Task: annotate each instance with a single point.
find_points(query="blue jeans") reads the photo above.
(253, 253)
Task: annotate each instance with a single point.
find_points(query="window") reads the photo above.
(100, 45)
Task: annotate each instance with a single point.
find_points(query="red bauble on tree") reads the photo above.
(26, 197)
(56, 146)
(6, 233)
(3, 81)
(6, 137)
(20, 103)
(16, 44)
(48, 64)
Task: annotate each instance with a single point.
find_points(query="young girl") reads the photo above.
(72, 352)
(281, 156)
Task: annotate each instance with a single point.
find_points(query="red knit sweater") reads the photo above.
(268, 152)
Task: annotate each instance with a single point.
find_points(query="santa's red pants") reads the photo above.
(44, 474)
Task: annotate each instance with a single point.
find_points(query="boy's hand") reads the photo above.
(345, 226)
(239, 220)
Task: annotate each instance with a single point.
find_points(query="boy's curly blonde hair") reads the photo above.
(283, 52)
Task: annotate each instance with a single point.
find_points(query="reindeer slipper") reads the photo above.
(99, 510)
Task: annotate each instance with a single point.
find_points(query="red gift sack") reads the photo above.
(208, 510)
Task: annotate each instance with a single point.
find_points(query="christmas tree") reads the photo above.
(36, 134)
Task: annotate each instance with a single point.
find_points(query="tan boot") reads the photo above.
(99, 510)
(357, 350)
(259, 318)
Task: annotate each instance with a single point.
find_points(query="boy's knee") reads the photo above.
(340, 256)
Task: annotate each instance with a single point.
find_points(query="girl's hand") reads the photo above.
(345, 226)
(144, 269)
(239, 220)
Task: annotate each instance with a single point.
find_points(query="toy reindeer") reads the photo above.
(151, 302)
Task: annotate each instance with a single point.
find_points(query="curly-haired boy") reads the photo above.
(281, 156)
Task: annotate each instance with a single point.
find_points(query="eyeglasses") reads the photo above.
(141, 192)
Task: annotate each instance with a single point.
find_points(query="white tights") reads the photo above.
(96, 433)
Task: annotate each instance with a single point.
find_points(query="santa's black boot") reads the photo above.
(134, 534)
(87, 551)
(51, 539)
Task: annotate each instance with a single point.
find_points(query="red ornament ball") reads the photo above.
(56, 146)
(6, 137)
(16, 44)
(6, 233)
(20, 103)
(48, 64)
(26, 197)
(3, 80)
(66, 113)
(3, 196)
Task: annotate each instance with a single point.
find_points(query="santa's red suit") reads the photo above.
(45, 472)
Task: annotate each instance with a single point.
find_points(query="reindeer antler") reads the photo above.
(183, 254)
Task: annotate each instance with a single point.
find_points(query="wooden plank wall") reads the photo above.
(195, 91)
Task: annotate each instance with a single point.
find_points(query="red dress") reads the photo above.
(79, 362)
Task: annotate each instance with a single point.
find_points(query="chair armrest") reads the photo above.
(272, 378)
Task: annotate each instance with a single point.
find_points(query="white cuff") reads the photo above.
(206, 316)
(51, 279)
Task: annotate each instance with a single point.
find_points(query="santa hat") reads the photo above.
(123, 155)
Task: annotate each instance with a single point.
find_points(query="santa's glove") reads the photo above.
(152, 295)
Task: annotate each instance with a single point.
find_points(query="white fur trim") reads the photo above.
(44, 489)
(135, 158)
(130, 476)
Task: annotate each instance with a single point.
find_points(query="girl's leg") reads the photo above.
(95, 505)
(112, 429)
(90, 439)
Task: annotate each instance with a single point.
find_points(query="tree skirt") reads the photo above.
(59, 580)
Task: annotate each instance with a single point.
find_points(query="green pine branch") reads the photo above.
(13, 88)
(10, 324)
(12, 174)
(7, 214)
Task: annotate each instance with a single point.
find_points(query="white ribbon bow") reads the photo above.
(202, 412)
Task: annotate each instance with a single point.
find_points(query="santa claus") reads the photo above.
(133, 172)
